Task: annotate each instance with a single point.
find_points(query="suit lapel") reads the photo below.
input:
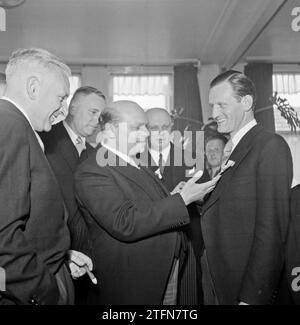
(66, 146)
(238, 155)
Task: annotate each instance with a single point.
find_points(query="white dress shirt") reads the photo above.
(240, 134)
(27, 118)
(165, 154)
(73, 135)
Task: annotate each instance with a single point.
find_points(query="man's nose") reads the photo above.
(215, 111)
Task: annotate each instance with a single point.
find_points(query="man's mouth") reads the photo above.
(221, 121)
(55, 115)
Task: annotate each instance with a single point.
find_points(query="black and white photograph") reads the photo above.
(149, 155)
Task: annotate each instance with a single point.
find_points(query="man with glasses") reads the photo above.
(161, 160)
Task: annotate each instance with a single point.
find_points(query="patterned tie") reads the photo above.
(80, 146)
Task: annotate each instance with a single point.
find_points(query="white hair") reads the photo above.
(35, 56)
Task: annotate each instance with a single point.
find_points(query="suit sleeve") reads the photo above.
(27, 279)
(273, 182)
(121, 217)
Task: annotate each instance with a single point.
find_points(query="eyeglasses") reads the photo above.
(156, 128)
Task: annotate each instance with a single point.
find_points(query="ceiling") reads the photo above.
(154, 31)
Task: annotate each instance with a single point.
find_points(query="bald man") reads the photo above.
(133, 221)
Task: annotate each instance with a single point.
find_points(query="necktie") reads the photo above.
(80, 146)
(160, 163)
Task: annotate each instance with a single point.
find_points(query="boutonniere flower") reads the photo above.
(158, 174)
(230, 163)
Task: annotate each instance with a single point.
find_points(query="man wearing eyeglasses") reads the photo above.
(161, 160)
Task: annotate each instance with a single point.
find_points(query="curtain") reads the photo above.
(142, 85)
(187, 97)
(261, 74)
(286, 83)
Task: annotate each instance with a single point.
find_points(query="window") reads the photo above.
(148, 87)
(287, 85)
(75, 83)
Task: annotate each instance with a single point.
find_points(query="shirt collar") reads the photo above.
(72, 134)
(122, 155)
(27, 118)
(240, 134)
(155, 154)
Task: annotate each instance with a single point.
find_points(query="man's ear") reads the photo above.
(247, 102)
(33, 86)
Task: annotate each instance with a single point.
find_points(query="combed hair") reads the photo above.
(85, 91)
(216, 137)
(240, 84)
(35, 55)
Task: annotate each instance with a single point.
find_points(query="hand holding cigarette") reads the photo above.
(80, 264)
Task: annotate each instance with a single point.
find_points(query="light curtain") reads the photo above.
(287, 83)
(138, 85)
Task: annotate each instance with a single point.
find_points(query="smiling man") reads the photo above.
(245, 220)
(34, 238)
(133, 221)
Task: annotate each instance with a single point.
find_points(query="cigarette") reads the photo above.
(91, 275)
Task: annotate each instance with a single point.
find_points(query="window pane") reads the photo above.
(147, 90)
(288, 86)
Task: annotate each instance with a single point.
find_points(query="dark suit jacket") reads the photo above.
(172, 175)
(33, 234)
(293, 247)
(246, 218)
(132, 222)
(63, 158)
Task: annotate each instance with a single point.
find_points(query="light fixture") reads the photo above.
(6, 4)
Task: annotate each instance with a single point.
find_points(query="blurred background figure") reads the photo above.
(161, 161)
(214, 150)
(2, 83)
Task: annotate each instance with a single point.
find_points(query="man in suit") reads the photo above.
(161, 161)
(245, 220)
(133, 220)
(34, 238)
(293, 247)
(64, 144)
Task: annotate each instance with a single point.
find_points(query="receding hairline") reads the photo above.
(83, 92)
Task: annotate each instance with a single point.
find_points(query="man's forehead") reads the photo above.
(91, 99)
(221, 90)
(214, 143)
(158, 118)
